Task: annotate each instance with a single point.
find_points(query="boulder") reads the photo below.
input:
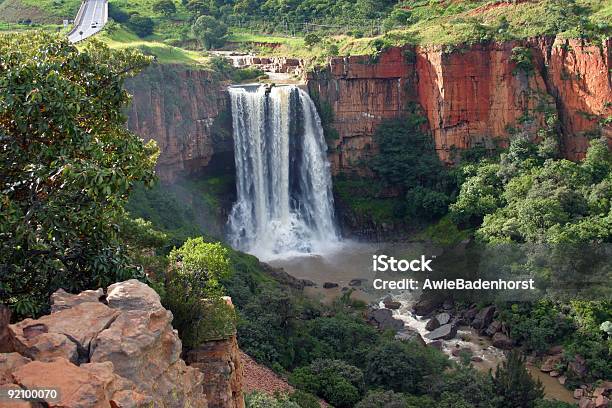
(409, 334)
(601, 402)
(77, 387)
(550, 363)
(443, 318)
(476, 359)
(484, 318)
(502, 341)
(493, 328)
(391, 304)
(61, 300)
(9, 362)
(357, 282)
(586, 403)
(80, 324)
(457, 351)
(437, 344)
(129, 355)
(446, 332)
(384, 320)
(426, 306)
(578, 393)
(329, 285)
(562, 379)
(470, 314)
(132, 295)
(578, 366)
(48, 346)
(554, 374)
(432, 324)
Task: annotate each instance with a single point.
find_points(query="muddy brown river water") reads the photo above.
(353, 260)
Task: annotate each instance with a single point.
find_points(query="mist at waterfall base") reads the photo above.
(284, 204)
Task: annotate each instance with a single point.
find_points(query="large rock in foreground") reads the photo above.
(121, 354)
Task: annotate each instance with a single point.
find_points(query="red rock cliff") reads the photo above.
(470, 97)
(181, 108)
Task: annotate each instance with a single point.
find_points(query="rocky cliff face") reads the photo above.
(185, 111)
(107, 349)
(471, 97)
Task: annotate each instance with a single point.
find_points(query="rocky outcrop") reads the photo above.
(115, 349)
(185, 111)
(283, 65)
(474, 96)
(221, 364)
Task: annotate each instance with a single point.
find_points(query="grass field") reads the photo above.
(118, 37)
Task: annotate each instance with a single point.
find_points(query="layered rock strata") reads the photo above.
(474, 96)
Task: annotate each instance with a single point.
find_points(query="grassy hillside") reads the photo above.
(342, 27)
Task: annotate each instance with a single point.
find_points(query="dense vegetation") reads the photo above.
(68, 165)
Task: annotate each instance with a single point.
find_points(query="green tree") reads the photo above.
(165, 7)
(67, 165)
(209, 31)
(403, 366)
(338, 382)
(311, 39)
(514, 385)
(143, 26)
(193, 291)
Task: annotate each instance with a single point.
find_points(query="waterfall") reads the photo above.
(283, 181)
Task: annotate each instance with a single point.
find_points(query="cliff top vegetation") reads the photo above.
(167, 29)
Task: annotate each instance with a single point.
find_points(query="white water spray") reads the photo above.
(284, 198)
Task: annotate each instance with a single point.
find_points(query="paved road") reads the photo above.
(90, 19)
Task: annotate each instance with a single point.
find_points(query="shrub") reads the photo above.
(338, 382)
(304, 399)
(142, 26)
(165, 7)
(117, 13)
(259, 399)
(403, 366)
(193, 292)
(311, 39)
(523, 59)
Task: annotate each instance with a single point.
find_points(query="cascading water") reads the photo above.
(284, 198)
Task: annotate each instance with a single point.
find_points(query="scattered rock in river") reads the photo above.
(578, 366)
(443, 318)
(409, 334)
(392, 304)
(446, 332)
(357, 282)
(426, 306)
(493, 328)
(330, 285)
(383, 319)
(501, 341)
(550, 364)
(484, 318)
(432, 324)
